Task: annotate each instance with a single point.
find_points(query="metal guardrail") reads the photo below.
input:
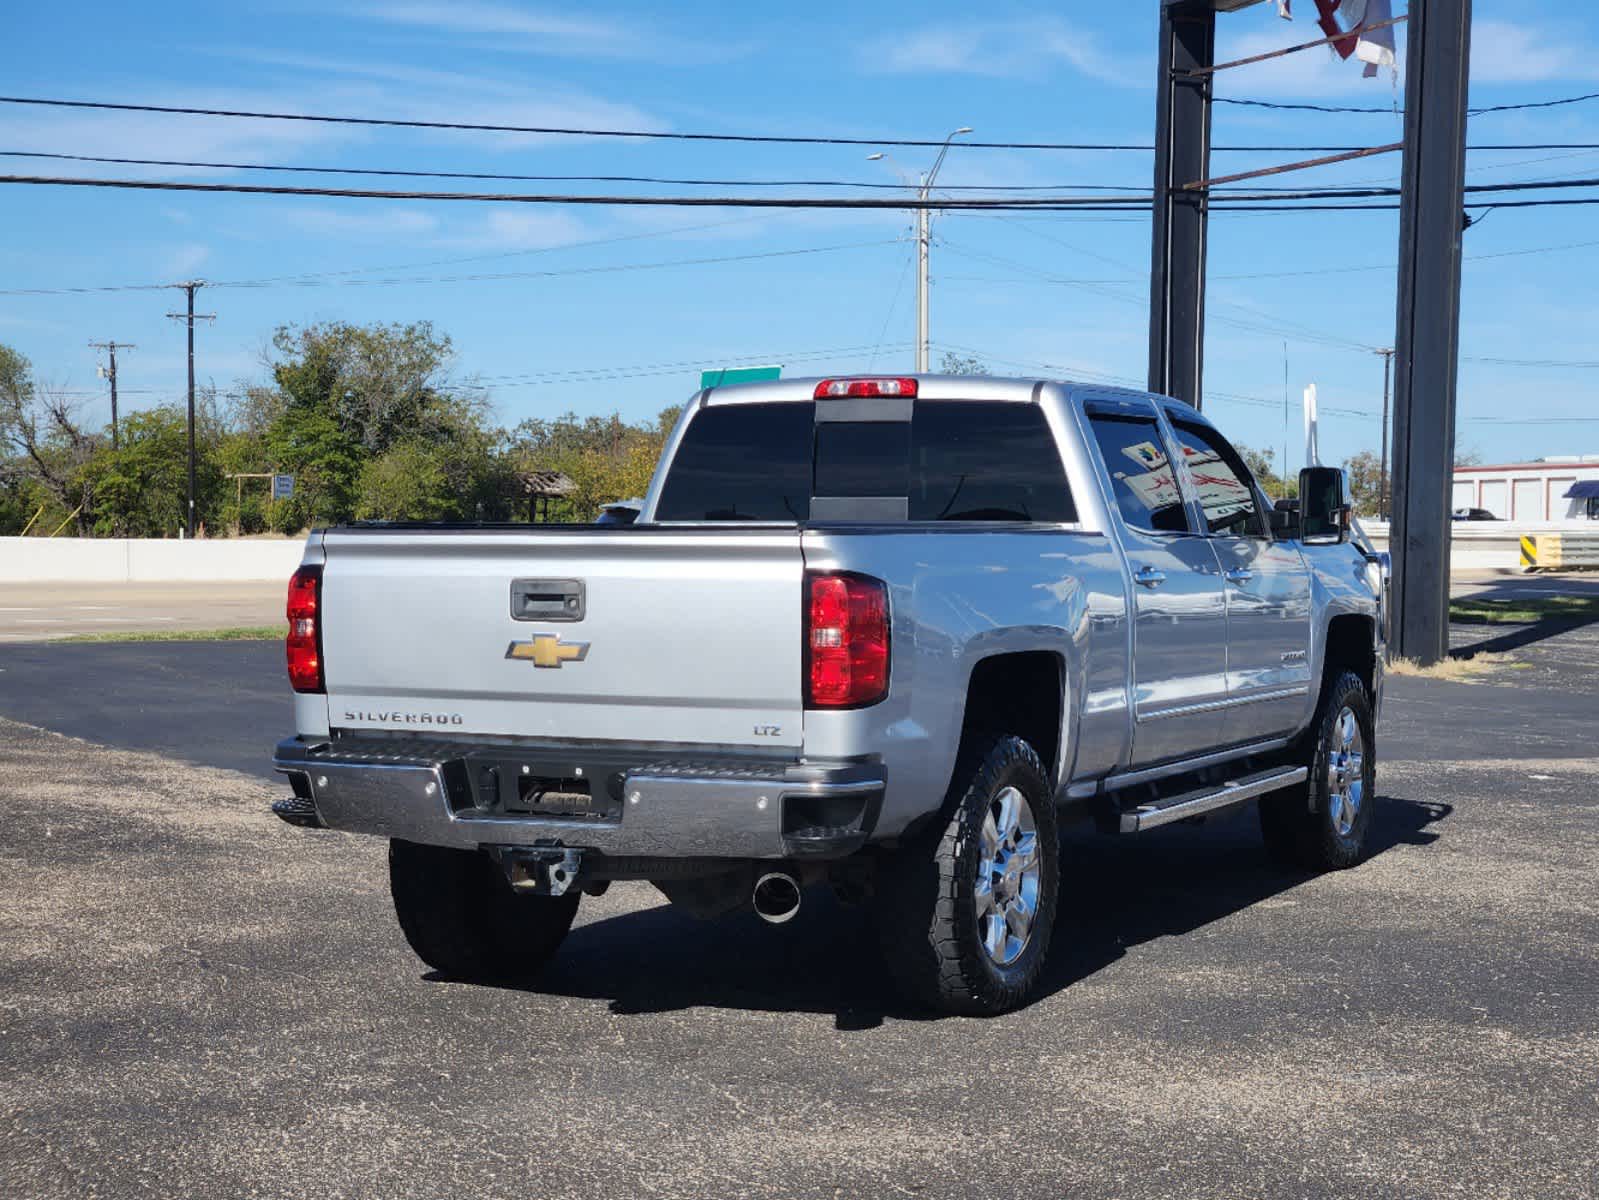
(1559, 551)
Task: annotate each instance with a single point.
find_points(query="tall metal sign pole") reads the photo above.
(189, 318)
(1427, 353)
(1182, 155)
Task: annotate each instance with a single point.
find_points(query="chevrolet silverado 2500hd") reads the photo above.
(881, 633)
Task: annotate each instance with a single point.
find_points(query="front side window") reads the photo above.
(1143, 483)
(1222, 481)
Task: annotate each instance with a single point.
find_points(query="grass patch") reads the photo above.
(247, 633)
(1526, 610)
(1456, 670)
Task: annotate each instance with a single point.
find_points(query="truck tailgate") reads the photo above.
(687, 635)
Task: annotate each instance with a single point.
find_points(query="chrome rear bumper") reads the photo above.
(427, 792)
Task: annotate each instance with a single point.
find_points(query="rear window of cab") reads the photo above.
(955, 460)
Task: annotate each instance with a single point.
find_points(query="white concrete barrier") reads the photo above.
(1479, 545)
(146, 560)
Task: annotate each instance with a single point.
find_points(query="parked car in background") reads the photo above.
(620, 512)
(1473, 514)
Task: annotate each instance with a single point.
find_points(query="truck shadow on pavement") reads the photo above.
(1117, 894)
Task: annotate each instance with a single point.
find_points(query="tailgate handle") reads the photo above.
(547, 599)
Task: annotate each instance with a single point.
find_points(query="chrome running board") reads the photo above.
(1210, 799)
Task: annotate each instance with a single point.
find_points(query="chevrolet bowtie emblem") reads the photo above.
(548, 650)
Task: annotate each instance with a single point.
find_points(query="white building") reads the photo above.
(1556, 489)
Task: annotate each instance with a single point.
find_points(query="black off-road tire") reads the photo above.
(925, 908)
(465, 921)
(1298, 823)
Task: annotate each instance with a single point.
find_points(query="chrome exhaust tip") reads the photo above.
(776, 897)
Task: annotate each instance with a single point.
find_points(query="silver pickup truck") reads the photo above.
(884, 634)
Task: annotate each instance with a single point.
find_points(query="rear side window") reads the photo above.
(742, 462)
(986, 461)
(1142, 480)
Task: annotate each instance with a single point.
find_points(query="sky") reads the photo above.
(601, 309)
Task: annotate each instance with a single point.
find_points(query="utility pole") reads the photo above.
(922, 231)
(923, 242)
(1382, 474)
(1183, 97)
(110, 373)
(189, 318)
(1427, 350)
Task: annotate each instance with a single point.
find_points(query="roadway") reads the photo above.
(200, 1000)
(37, 611)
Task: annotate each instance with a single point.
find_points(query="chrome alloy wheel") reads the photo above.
(1346, 773)
(1007, 877)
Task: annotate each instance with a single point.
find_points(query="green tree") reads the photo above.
(1261, 464)
(961, 364)
(306, 442)
(141, 487)
(406, 483)
(606, 458)
(355, 405)
(380, 383)
(43, 448)
(1365, 482)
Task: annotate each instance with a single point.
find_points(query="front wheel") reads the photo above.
(464, 920)
(1322, 824)
(964, 913)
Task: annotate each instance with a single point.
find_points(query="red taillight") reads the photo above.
(304, 644)
(846, 641)
(835, 389)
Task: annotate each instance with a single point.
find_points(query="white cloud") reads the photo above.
(185, 260)
(501, 27)
(363, 87)
(1508, 52)
(1502, 52)
(360, 221)
(1311, 74)
(494, 19)
(504, 229)
(1004, 48)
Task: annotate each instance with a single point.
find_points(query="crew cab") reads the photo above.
(885, 634)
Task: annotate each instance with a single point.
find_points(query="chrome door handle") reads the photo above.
(1149, 577)
(1238, 575)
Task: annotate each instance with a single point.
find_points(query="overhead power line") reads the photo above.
(786, 139)
(478, 277)
(876, 185)
(550, 130)
(1089, 203)
(1395, 110)
(1234, 201)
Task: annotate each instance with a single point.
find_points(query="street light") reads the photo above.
(923, 229)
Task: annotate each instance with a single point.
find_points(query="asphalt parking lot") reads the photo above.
(200, 1001)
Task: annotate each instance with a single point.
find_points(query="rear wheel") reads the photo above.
(964, 913)
(1322, 824)
(464, 920)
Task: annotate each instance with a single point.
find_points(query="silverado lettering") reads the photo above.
(405, 718)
